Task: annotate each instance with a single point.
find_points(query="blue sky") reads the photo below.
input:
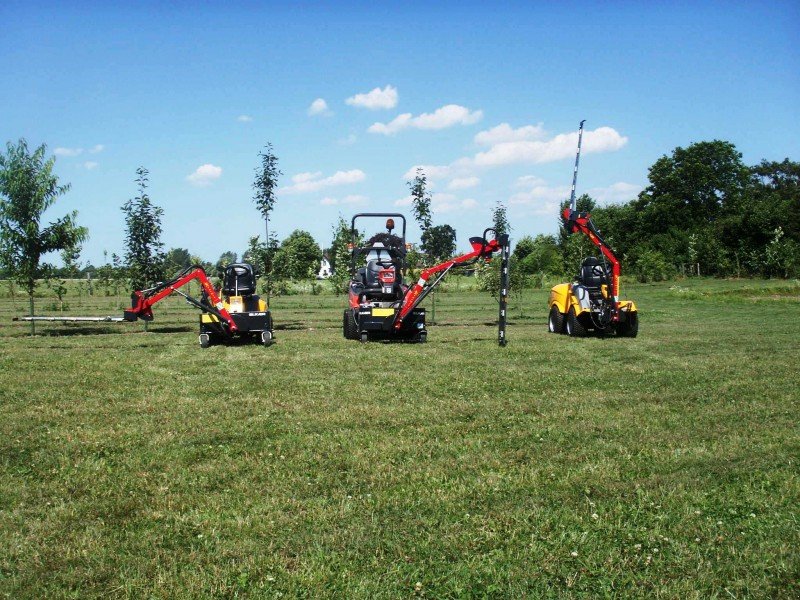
(487, 96)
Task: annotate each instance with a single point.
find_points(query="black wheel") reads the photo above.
(629, 327)
(574, 327)
(205, 340)
(555, 323)
(266, 338)
(349, 325)
(422, 337)
(364, 337)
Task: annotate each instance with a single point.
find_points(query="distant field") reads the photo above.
(135, 464)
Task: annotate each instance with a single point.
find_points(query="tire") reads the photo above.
(364, 337)
(205, 340)
(266, 338)
(349, 325)
(555, 322)
(422, 337)
(630, 328)
(574, 327)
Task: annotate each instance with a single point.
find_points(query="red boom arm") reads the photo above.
(480, 249)
(143, 300)
(581, 222)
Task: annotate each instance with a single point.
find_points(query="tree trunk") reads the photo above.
(33, 323)
(267, 274)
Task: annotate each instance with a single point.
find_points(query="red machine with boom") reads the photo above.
(239, 313)
(381, 305)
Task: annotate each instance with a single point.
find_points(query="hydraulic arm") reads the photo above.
(481, 248)
(581, 222)
(142, 301)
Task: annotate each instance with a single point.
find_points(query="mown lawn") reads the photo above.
(135, 464)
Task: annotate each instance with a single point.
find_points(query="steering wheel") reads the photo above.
(598, 271)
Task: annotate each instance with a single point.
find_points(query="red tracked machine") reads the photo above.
(381, 304)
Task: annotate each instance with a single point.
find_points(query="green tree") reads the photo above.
(226, 258)
(574, 247)
(339, 255)
(500, 219)
(298, 257)
(144, 254)
(421, 202)
(439, 242)
(176, 260)
(28, 188)
(265, 186)
(523, 247)
(257, 254)
(539, 255)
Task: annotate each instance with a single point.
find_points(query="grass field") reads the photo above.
(135, 464)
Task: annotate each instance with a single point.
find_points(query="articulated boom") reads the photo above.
(581, 222)
(481, 248)
(143, 300)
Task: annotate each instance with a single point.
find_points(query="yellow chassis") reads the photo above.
(561, 297)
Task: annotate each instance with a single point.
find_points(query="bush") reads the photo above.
(653, 266)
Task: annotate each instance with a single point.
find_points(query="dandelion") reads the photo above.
(418, 586)
(574, 554)
(697, 540)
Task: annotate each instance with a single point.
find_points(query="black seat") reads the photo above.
(593, 273)
(373, 268)
(239, 280)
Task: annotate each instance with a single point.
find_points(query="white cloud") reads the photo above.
(430, 171)
(602, 139)
(244, 119)
(405, 201)
(319, 107)
(617, 192)
(68, 151)
(441, 118)
(463, 183)
(505, 133)
(375, 99)
(545, 199)
(350, 199)
(529, 181)
(96, 149)
(541, 196)
(303, 177)
(89, 165)
(348, 141)
(446, 203)
(312, 182)
(204, 175)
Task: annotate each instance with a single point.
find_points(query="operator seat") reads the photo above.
(593, 273)
(239, 280)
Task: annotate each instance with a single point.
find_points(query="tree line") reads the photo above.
(704, 212)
